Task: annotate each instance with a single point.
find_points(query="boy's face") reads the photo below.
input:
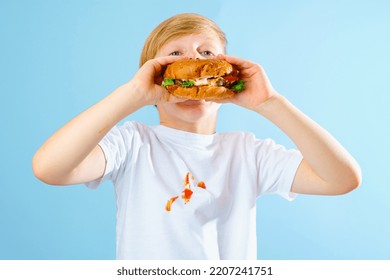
(188, 112)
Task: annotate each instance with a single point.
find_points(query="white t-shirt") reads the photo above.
(182, 195)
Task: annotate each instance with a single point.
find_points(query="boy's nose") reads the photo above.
(194, 55)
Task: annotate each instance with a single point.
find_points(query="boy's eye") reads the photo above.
(207, 53)
(175, 53)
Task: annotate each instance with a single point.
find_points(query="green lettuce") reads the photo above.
(168, 82)
(187, 84)
(238, 86)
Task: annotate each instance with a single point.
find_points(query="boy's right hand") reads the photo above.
(148, 79)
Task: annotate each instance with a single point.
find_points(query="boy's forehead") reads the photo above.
(200, 38)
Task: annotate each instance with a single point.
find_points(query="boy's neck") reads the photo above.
(199, 127)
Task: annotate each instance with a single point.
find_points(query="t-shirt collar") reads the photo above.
(183, 137)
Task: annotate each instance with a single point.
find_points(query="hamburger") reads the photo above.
(197, 79)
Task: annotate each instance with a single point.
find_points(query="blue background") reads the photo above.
(330, 58)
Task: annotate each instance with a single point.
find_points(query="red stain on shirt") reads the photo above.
(169, 203)
(186, 193)
(187, 179)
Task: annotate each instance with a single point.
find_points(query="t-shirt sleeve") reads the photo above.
(276, 168)
(116, 146)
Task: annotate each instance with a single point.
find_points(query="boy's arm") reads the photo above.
(72, 155)
(327, 168)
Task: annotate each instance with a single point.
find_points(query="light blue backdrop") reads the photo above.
(330, 58)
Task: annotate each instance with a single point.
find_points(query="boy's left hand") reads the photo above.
(258, 88)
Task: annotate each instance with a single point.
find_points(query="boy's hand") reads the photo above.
(147, 81)
(258, 88)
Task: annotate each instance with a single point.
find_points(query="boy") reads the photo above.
(183, 190)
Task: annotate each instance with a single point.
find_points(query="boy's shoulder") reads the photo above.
(131, 125)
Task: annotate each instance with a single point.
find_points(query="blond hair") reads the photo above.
(178, 26)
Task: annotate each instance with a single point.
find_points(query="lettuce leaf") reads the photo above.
(186, 84)
(238, 86)
(168, 82)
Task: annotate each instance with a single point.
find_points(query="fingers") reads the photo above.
(160, 62)
(155, 67)
(165, 60)
(241, 64)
